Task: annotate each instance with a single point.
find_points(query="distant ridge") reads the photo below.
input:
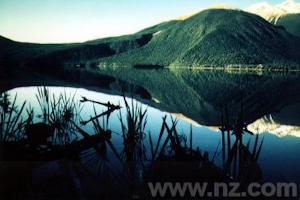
(4, 42)
(213, 37)
(216, 37)
(286, 14)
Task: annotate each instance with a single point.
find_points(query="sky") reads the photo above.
(65, 21)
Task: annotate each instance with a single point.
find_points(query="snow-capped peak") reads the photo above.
(289, 6)
(267, 124)
(273, 13)
(265, 8)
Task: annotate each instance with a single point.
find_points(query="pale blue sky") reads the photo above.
(57, 21)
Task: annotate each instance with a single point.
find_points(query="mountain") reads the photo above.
(267, 11)
(291, 22)
(214, 37)
(289, 6)
(268, 125)
(284, 122)
(286, 14)
(272, 13)
(14, 53)
(5, 42)
(201, 95)
(211, 37)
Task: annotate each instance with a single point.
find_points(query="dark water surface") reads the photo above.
(268, 103)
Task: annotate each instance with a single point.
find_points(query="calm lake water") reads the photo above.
(270, 105)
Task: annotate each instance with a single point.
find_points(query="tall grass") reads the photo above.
(61, 112)
(170, 153)
(238, 161)
(12, 121)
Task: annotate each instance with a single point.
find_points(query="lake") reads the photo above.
(103, 141)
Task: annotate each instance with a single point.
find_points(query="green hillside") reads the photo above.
(212, 37)
(216, 37)
(291, 22)
(12, 52)
(202, 94)
(54, 55)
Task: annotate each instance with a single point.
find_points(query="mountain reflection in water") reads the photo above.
(202, 95)
(197, 99)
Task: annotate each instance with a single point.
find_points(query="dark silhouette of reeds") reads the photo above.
(11, 119)
(171, 158)
(61, 113)
(238, 161)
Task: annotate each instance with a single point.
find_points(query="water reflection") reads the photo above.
(112, 143)
(126, 145)
(201, 95)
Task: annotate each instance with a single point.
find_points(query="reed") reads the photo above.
(61, 112)
(11, 118)
(239, 158)
(171, 158)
